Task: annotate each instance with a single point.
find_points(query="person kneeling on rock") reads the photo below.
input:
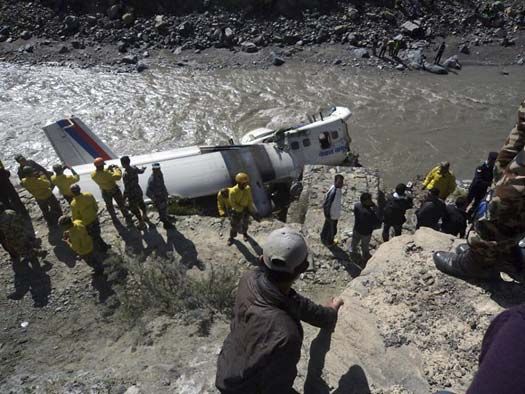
(261, 353)
(78, 239)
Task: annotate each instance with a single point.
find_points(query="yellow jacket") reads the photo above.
(223, 204)
(106, 179)
(63, 182)
(40, 187)
(79, 239)
(84, 207)
(445, 183)
(241, 199)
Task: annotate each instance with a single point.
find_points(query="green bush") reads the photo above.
(162, 285)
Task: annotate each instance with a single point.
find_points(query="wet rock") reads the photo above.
(413, 29)
(63, 49)
(464, 49)
(25, 35)
(249, 47)
(277, 60)
(361, 53)
(71, 23)
(128, 19)
(161, 24)
(113, 11)
(130, 59)
(141, 67)
(452, 62)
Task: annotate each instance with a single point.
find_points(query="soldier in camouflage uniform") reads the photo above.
(493, 245)
(159, 194)
(133, 192)
(18, 238)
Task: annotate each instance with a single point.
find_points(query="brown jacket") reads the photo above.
(261, 353)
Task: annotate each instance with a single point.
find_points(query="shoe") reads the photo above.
(230, 241)
(462, 248)
(463, 266)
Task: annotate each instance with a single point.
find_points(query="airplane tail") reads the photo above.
(75, 144)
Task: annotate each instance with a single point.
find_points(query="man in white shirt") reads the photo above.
(332, 211)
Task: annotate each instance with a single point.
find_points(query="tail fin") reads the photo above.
(75, 143)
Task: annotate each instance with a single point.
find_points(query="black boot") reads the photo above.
(463, 266)
(462, 248)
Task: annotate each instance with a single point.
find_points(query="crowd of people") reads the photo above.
(261, 353)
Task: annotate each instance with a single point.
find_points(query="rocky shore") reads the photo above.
(478, 32)
(405, 327)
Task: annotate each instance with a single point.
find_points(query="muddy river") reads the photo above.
(402, 123)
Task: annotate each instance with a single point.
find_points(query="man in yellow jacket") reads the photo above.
(84, 207)
(442, 179)
(78, 239)
(63, 181)
(106, 179)
(241, 201)
(40, 189)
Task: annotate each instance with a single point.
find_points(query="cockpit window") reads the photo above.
(306, 142)
(324, 140)
(295, 145)
(335, 135)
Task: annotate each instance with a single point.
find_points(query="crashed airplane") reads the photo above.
(270, 157)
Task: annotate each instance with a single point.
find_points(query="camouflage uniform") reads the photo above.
(133, 192)
(159, 196)
(17, 237)
(493, 242)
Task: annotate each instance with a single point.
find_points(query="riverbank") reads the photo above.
(344, 36)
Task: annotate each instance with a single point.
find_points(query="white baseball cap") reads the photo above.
(285, 249)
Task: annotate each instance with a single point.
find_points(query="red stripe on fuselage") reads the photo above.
(82, 134)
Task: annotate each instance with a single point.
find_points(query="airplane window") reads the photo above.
(324, 140)
(295, 145)
(306, 142)
(335, 135)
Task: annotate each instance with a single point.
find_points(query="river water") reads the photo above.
(402, 124)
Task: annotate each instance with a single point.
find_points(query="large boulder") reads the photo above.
(413, 29)
(405, 326)
(435, 69)
(415, 58)
(452, 62)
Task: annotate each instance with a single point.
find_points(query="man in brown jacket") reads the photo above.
(261, 353)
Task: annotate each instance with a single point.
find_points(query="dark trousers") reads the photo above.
(437, 59)
(68, 198)
(386, 230)
(239, 223)
(329, 231)
(116, 195)
(93, 230)
(51, 209)
(162, 206)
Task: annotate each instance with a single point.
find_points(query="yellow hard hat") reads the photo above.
(242, 177)
(99, 161)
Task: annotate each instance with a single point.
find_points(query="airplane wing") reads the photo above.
(75, 143)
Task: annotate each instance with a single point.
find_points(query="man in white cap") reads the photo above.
(261, 353)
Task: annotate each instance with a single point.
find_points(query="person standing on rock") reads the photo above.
(241, 200)
(133, 192)
(63, 181)
(395, 210)
(40, 189)
(493, 246)
(78, 239)
(482, 180)
(454, 221)
(261, 352)
(440, 51)
(366, 221)
(106, 179)
(384, 46)
(8, 194)
(442, 179)
(332, 211)
(84, 207)
(158, 194)
(431, 211)
(18, 239)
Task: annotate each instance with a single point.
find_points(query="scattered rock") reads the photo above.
(277, 60)
(130, 59)
(71, 23)
(361, 53)
(413, 29)
(25, 35)
(249, 47)
(435, 69)
(521, 61)
(122, 47)
(113, 11)
(141, 67)
(63, 49)
(128, 19)
(452, 62)
(414, 58)
(133, 390)
(161, 24)
(464, 49)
